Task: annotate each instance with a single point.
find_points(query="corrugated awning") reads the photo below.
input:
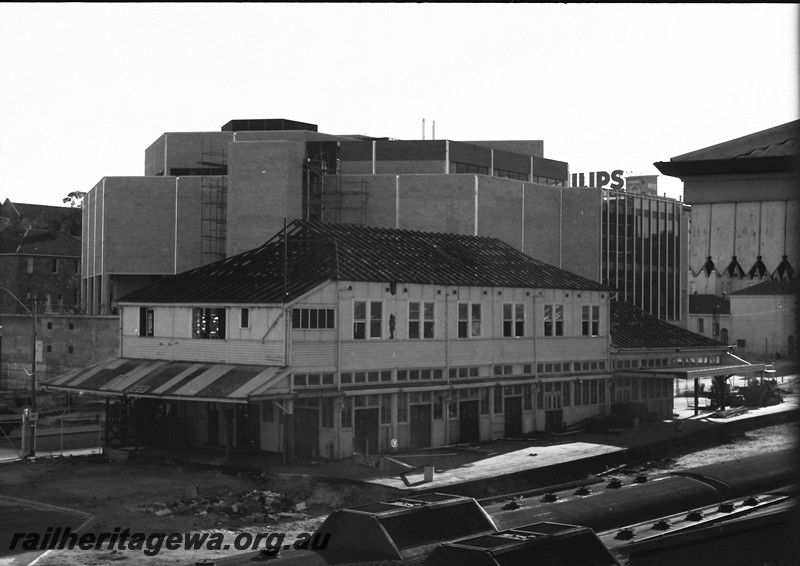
(168, 380)
(690, 372)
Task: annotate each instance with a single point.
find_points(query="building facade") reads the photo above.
(335, 339)
(209, 195)
(367, 339)
(744, 202)
(644, 251)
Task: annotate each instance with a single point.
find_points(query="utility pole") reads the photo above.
(33, 415)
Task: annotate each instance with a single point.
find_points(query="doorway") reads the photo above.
(248, 427)
(420, 416)
(469, 426)
(513, 415)
(306, 432)
(213, 425)
(365, 431)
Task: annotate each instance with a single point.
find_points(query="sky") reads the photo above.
(85, 88)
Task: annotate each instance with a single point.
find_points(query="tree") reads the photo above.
(75, 199)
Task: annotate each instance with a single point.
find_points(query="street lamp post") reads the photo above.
(32, 415)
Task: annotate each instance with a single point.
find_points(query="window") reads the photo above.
(208, 323)
(29, 267)
(456, 167)
(701, 325)
(312, 319)
(77, 266)
(146, 321)
(367, 319)
(484, 401)
(54, 266)
(420, 319)
(267, 412)
(71, 350)
(347, 412)
(244, 318)
(386, 409)
(437, 407)
(513, 320)
(402, 407)
(498, 399)
(469, 320)
(554, 320)
(590, 320)
(326, 410)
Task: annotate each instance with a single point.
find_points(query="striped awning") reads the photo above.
(167, 380)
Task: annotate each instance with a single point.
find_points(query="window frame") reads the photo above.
(424, 327)
(554, 321)
(590, 320)
(369, 321)
(513, 325)
(324, 318)
(147, 321)
(200, 313)
(465, 327)
(244, 318)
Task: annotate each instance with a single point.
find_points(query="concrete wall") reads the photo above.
(751, 187)
(64, 343)
(264, 187)
(525, 147)
(184, 150)
(764, 322)
(138, 226)
(552, 224)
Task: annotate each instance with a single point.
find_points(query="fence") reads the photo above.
(63, 434)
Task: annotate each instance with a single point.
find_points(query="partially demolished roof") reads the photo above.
(308, 253)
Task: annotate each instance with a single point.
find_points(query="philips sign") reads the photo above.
(599, 179)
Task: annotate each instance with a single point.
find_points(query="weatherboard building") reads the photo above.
(335, 339)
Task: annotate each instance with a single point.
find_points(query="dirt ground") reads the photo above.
(153, 498)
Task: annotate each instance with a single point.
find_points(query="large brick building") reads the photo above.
(209, 195)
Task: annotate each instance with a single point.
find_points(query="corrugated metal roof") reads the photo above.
(159, 378)
(633, 328)
(316, 252)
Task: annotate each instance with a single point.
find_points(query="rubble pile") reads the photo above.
(254, 505)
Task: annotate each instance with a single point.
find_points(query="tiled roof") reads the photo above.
(708, 304)
(318, 252)
(40, 216)
(633, 328)
(39, 242)
(771, 287)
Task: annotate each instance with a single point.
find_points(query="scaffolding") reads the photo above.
(347, 202)
(213, 203)
(327, 197)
